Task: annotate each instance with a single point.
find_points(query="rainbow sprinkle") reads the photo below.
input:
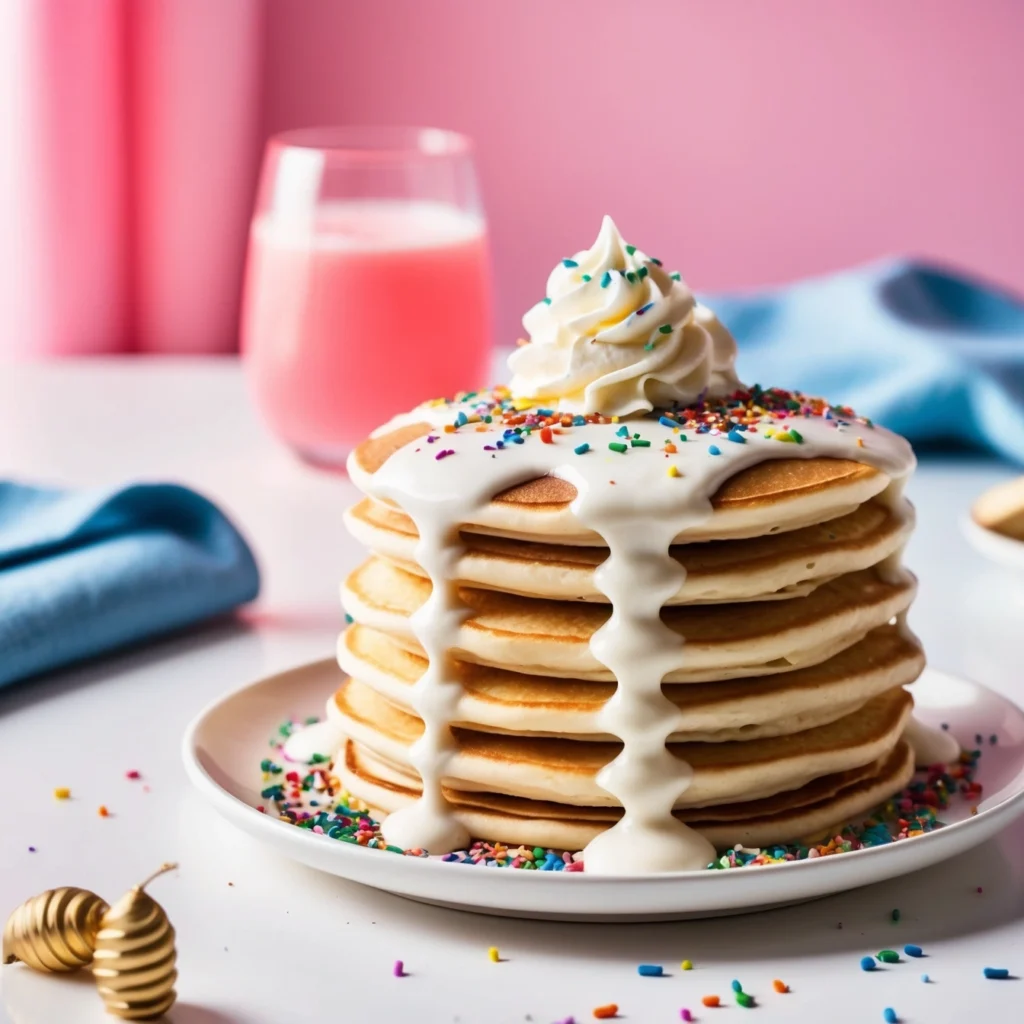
(771, 411)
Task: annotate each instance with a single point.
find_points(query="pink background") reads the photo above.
(745, 142)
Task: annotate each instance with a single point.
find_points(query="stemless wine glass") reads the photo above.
(368, 283)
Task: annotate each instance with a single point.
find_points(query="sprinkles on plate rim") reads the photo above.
(312, 797)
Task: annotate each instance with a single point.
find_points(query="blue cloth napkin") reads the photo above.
(84, 572)
(933, 354)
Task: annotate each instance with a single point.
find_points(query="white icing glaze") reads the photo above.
(930, 746)
(321, 738)
(617, 334)
(631, 501)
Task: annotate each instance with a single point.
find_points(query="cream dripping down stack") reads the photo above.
(627, 604)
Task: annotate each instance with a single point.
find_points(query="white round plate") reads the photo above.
(224, 745)
(996, 547)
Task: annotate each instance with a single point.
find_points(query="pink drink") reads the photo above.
(377, 305)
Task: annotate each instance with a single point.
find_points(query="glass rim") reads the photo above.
(375, 143)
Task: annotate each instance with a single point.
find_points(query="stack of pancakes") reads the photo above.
(791, 615)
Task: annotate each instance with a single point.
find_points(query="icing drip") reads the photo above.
(429, 823)
(640, 650)
(637, 508)
(930, 746)
(322, 738)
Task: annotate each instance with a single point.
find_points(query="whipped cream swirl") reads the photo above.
(617, 334)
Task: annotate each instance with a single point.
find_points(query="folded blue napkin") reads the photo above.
(933, 354)
(84, 572)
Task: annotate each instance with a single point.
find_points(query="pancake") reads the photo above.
(771, 497)
(545, 637)
(823, 804)
(785, 565)
(498, 700)
(540, 768)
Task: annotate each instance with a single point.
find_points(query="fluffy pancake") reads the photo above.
(553, 637)
(537, 768)
(824, 803)
(789, 564)
(498, 700)
(772, 497)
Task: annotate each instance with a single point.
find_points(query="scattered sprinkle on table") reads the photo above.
(911, 950)
(493, 956)
(710, 1001)
(607, 1011)
(103, 812)
(399, 969)
(132, 774)
(780, 986)
(582, 449)
(684, 1014)
(650, 970)
(996, 973)
(889, 956)
(62, 793)
(713, 449)
(925, 978)
(673, 470)
(895, 914)
(31, 849)
(889, 1015)
(745, 999)
(736, 986)
(867, 963)
(687, 965)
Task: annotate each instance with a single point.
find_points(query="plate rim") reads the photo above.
(230, 805)
(993, 546)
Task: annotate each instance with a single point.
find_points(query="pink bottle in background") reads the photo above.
(368, 285)
(195, 120)
(128, 146)
(64, 237)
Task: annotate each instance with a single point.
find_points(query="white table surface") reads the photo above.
(285, 944)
